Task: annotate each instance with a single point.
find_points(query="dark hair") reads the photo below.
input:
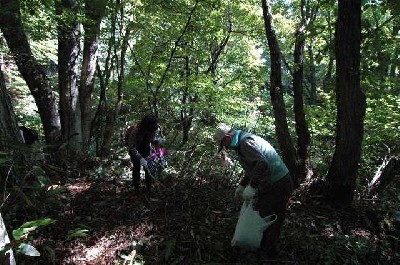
(149, 124)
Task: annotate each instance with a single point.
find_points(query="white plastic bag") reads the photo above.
(250, 227)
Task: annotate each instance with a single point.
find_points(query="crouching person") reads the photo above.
(266, 183)
(138, 139)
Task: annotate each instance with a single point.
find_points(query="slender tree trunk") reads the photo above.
(282, 129)
(94, 13)
(99, 123)
(312, 77)
(31, 71)
(304, 168)
(112, 113)
(187, 108)
(341, 178)
(395, 60)
(331, 52)
(68, 52)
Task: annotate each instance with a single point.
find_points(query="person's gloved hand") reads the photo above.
(239, 191)
(248, 193)
(143, 162)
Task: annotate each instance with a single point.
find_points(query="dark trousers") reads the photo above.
(136, 173)
(274, 201)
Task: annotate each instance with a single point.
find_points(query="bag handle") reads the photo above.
(269, 218)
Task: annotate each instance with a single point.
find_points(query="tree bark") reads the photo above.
(31, 71)
(112, 113)
(312, 79)
(94, 12)
(10, 138)
(303, 135)
(350, 100)
(282, 129)
(68, 52)
(330, 50)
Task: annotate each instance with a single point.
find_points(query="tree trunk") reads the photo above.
(31, 71)
(187, 110)
(112, 113)
(99, 122)
(94, 12)
(10, 138)
(350, 100)
(68, 52)
(312, 77)
(282, 130)
(328, 76)
(304, 169)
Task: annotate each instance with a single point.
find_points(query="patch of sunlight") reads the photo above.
(94, 252)
(115, 242)
(75, 189)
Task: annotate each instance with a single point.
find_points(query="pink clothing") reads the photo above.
(158, 152)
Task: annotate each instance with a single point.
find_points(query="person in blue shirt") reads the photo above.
(266, 182)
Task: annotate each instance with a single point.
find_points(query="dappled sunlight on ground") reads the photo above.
(111, 245)
(77, 188)
(191, 220)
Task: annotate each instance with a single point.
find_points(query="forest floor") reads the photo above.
(191, 220)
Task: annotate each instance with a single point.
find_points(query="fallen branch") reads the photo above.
(385, 174)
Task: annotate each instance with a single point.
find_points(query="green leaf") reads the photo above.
(78, 232)
(40, 222)
(19, 232)
(3, 160)
(30, 226)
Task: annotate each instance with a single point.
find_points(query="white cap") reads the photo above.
(221, 131)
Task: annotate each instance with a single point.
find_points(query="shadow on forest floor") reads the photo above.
(190, 220)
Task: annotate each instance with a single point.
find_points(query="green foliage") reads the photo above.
(21, 239)
(41, 176)
(76, 233)
(322, 121)
(168, 69)
(30, 226)
(39, 18)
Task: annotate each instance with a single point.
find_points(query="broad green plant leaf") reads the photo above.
(30, 226)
